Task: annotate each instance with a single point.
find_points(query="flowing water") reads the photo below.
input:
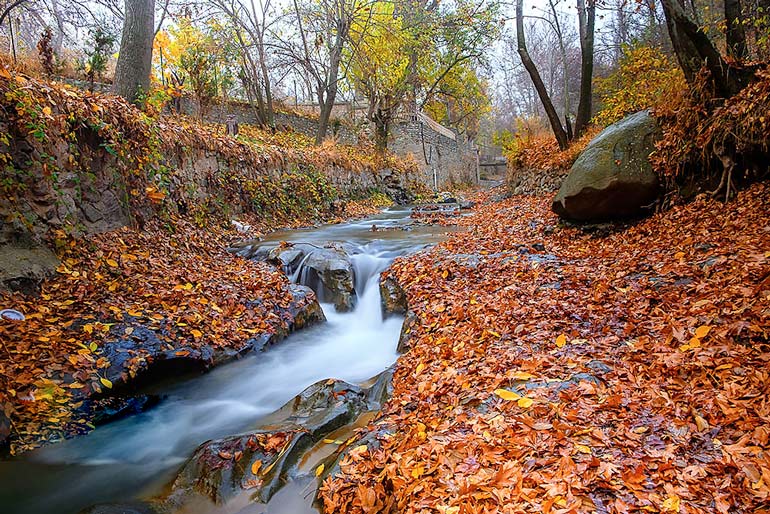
(135, 457)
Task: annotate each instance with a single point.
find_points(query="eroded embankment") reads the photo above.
(552, 370)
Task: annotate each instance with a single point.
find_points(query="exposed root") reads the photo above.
(726, 181)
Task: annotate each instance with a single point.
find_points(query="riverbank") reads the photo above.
(126, 304)
(555, 370)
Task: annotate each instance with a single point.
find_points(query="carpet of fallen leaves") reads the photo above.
(182, 283)
(560, 372)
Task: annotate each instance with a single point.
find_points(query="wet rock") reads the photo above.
(393, 296)
(142, 356)
(335, 270)
(225, 469)
(328, 268)
(120, 508)
(114, 408)
(222, 470)
(613, 178)
(5, 429)
(405, 339)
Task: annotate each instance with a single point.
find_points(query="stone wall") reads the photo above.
(443, 157)
(443, 161)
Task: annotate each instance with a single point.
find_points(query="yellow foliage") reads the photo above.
(645, 79)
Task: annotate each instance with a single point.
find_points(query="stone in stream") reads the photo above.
(393, 295)
(329, 268)
(613, 178)
(259, 462)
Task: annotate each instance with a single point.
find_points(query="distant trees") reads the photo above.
(409, 52)
(317, 46)
(586, 22)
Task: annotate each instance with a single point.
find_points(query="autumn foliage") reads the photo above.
(699, 128)
(645, 79)
(623, 373)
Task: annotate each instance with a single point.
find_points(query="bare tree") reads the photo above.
(322, 34)
(250, 23)
(542, 92)
(586, 20)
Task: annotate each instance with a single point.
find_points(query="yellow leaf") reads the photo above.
(93, 347)
(525, 402)
(493, 333)
(112, 263)
(694, 343)
(671, 504)
(583, 449)
(255, 466)
(88, 328)
(417, 471)
(196, 333)
(561, 341)
(420, 367)
(701, 423)
(521, 375)
(47, 110)
(702, 331)
(105, 382)
(319, 470)
(505, 394)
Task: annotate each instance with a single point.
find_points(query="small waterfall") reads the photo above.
(296, 276)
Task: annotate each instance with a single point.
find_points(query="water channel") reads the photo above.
(137, 456)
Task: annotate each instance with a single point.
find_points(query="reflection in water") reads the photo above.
(136, 456)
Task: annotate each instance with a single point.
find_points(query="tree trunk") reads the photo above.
(381, 129)
(736, 36)
(553, 116)
(586, 19)
(331, 86)
(269, 113)
(694, 50)
(132, 73)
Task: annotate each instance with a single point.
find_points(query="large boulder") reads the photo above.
(613, 178)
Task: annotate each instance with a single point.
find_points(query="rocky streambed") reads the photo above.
(257, 434)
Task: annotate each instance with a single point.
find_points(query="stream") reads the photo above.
(137, 456)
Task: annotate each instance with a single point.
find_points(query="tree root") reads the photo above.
(726, 181)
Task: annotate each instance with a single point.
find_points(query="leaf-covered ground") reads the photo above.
(623, 373)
